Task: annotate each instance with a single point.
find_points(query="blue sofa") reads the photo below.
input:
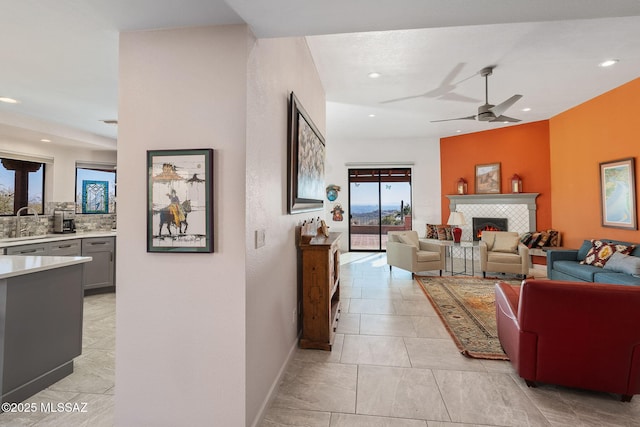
(563, 264)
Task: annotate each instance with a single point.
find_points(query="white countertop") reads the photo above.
(17, 241)
(17, 265)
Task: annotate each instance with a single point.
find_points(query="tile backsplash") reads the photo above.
(44, 223)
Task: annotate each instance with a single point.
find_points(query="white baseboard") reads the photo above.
(274, 386)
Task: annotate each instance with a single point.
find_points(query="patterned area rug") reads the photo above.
(466, 306)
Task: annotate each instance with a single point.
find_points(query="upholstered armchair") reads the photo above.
(405, 250)
(573, 334)
(502, 252)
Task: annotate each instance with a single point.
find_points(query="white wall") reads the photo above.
(60, 177)
(276, 67)
(180, 322)
(425, 156)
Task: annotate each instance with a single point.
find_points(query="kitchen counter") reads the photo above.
(17, 265)
(41, 303)
(17, 241)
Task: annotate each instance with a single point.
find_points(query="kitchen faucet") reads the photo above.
(18, 232)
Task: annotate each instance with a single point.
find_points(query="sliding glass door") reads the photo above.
(379, 201)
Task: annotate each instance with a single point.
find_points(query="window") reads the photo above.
(379, 202)
(95, 188)
(21, 184)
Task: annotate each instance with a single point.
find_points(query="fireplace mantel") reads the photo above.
(528, 199)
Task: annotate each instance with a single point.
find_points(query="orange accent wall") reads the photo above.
(521, 149)
(602, 129)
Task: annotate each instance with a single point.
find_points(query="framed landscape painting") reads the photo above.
(180, 200)
(618, 194)
(488, 178)
(306, 189)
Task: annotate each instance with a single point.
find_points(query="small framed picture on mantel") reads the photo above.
(488, 178)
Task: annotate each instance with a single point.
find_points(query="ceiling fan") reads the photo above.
(444, 91)
(489, 112)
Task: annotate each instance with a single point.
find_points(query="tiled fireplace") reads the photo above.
(481, 224)
(518, 209)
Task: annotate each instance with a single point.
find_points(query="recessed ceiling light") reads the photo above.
(45, 140)
(526, 109)
(458, 131)
(372, 115)
(608, 62)
(8, 100)
(374, 75)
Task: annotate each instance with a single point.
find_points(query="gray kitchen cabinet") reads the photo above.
(41, 329)
(66, 248)
(100, 272)
(40, 249)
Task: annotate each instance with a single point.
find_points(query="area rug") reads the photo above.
(467, 307)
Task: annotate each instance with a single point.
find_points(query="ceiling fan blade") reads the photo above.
(443, 91)
(505, 119)
(445, 86)
(501, 108)
(452, 96)
(404, 98)
(459, 118)
(452, 74)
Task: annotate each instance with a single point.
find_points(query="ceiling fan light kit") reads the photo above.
(489, 112)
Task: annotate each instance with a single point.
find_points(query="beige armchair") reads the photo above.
(502, 252)
(405, 250)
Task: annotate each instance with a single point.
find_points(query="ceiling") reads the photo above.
(60, 59)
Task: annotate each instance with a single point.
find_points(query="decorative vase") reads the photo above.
(457, 233)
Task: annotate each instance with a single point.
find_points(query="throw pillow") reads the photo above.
(534, 240)
(449, 232)
(584, 250)
(408, 239)
(526, 238)
(554, 238)
(432, 231)
(444, 232)
(600, 252)
(623, 264)
(506, 243)
(543, 240)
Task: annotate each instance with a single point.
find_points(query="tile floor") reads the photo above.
(394, 364)
(90, 386)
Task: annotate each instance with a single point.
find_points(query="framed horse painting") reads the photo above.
(180, 200)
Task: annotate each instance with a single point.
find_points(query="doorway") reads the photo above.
(379, 201)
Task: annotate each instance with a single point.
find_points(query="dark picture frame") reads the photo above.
(306, 155)
(180, 200)
(488, 178)
(618, 194)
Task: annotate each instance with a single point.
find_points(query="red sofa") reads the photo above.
(574, 334)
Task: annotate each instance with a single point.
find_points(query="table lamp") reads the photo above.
(456, 219)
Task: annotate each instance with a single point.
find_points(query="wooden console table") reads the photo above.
(320, 291)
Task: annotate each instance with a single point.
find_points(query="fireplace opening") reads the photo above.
(488, 224)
